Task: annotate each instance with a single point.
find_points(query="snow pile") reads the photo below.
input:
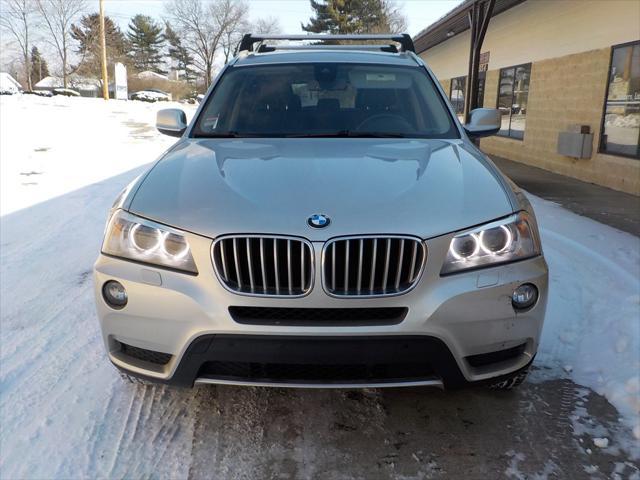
(592, 328)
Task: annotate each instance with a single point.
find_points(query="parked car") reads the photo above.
(323, 221)
(66, 92)
(151, 95)
(40, 93)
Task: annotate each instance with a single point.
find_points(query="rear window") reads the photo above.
(325, 99)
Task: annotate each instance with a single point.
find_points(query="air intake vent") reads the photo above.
(264, 265)
(372, 266)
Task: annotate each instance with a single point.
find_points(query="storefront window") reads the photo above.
(513, 95)
(621, 125)
(456, 95)
(458, 91)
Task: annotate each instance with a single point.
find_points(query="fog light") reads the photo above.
(114, 294)
(525, 296)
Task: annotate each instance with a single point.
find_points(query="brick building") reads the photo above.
(552, 67)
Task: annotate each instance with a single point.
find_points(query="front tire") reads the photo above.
(511, 382)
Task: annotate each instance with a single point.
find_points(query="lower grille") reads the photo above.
(372, 266)
(264, 265)
(353, 373)
(323, 317)
(150, 356)
(494, 357)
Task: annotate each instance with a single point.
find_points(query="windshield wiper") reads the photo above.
(217, 135)
(337, 134)
(230, 134)
(347, 134)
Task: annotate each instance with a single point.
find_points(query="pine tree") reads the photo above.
(146, 41)
(354, 16)
(179, 53)
(87, 34)
(39, 67)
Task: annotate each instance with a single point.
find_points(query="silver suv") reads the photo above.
(324, 221)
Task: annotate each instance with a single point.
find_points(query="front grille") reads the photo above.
(150, 356)
(372, 266)
(316, 373)
(323, 317)
(264, 265)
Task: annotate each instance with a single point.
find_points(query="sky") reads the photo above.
(290, 13)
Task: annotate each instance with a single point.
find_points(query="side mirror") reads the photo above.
(484, 122)
(171, 121)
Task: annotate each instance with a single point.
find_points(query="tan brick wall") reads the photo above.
(446, 85)
(565, 91)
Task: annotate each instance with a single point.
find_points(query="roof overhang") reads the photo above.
(454, 23)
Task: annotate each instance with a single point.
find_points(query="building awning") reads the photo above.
(454, 23)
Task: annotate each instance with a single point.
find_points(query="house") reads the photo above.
(9, 84)
(86, 87)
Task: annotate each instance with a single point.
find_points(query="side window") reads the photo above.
(513, 96)
(456, 94)
(620, 133)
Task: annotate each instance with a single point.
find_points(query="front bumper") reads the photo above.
(450, 321)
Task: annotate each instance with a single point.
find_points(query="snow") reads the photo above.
(8, 83)
(63, 409)
(70, 143)
(601, 442)
(593, 317)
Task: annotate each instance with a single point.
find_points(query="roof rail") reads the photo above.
(404, 39)
(390, 48)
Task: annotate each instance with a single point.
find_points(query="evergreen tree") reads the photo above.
(354, 16)
(39, 67)
(87, 36)
(179, 53)
(146, 41)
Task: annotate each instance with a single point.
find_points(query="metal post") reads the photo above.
(103, 44)
(479, 16)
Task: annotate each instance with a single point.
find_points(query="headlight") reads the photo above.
(498, 242)
(135, 238)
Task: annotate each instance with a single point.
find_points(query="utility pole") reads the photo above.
(103, 44)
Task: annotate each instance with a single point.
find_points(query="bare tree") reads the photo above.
(395, 18)
(266, 26)
(269, 25)
(16, 18)
(58, 16)
(203, 27)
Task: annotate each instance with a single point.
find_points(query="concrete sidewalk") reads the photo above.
(613, 208)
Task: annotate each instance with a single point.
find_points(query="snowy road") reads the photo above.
(64, 412)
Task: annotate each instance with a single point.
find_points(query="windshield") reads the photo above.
(325, 100)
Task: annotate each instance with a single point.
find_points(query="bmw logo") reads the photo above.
(318, 221)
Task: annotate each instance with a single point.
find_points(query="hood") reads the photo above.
(425, 188)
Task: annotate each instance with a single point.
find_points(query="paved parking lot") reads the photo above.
(544, 430)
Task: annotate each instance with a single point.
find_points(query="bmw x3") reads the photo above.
(323, 221)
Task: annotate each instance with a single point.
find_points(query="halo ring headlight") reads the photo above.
(507, 243)
(460, 255)
(178, 255)
(134, 241)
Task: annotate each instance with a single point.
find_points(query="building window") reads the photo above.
(621, 122)
(457, 92)
(513, 95)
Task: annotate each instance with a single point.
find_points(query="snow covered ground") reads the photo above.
(65, 413)
(51, 146)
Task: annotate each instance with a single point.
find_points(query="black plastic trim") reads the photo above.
(320, 350)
